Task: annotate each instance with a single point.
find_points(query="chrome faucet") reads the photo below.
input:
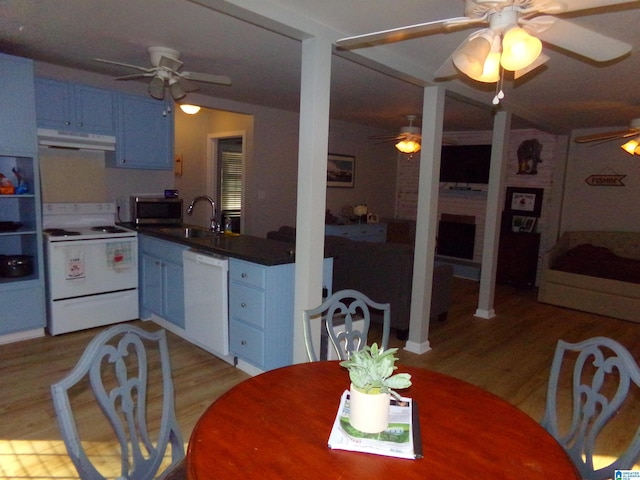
(215, 227)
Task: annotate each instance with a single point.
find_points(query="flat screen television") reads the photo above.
(465, 163)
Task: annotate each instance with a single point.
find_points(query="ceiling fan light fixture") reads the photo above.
(408, 146)
(491, 68)
(632, 147)
(189, 109)
(156, 88)
(177, 92)
(519, 49)
(471, 56)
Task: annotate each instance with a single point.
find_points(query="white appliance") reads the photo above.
(91, 267)
(206, 301)
(87, 141)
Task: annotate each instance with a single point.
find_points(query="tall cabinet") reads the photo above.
(21, 297)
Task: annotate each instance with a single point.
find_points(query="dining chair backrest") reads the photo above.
(599, 381)
(339, 314)
(120, 365)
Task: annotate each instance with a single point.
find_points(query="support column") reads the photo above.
(495, 200)
(312, 183)
(427, 215)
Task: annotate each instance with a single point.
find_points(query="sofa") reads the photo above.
(382, 271)
(592, 271)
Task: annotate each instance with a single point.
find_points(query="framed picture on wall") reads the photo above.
(524, 201)
(341, 170)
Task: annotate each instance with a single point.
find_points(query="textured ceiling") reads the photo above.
(566, 93)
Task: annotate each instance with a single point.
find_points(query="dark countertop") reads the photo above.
(244, 247)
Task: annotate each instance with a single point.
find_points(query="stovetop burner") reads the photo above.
(107, 229)
(61, 232)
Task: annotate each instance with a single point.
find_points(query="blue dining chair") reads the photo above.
(601, 377)
(115, 363)
(346, 318)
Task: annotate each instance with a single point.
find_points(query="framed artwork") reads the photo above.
(341, 170)
(524, 201)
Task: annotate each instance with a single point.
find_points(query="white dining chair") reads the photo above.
(116, 366)
(600, 378)
(346, 318)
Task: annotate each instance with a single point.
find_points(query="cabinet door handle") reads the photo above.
(67, 123)
(243, 305)
(243, 342)
(80, 124)
(244, 275)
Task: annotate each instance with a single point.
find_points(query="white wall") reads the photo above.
(609, 208)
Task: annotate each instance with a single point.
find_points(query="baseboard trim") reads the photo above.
(20, 336)
(418, 348)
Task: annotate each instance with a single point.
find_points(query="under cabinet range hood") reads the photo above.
(78, 140)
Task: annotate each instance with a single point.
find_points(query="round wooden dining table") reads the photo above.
(277, 424)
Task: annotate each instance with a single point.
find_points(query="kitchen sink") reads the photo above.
(189, 232)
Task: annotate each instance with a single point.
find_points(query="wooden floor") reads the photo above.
(509, 355)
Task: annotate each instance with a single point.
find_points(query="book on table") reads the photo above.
(400, 439)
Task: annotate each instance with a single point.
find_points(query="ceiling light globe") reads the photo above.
(632, 147)
(156, 88)
(189, 109)
(490, 70)
(470, 57)
(519, 49)
(408, 146)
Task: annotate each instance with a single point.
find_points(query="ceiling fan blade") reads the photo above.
(170, 63)
(446, 70)
(596, 137)
(207, 78)
(405, 33)
(386, 137)
(542, 58)
(136, 76)
(574, 5)
(582, 41)
(188, 86)
(143, 69)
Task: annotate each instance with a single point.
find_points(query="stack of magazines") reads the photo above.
(401, 438)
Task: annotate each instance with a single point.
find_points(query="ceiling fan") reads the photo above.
(513, 39)
(407, 140)
(165, 73)
(632, 146)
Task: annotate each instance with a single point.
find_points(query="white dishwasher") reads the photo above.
(206, 300)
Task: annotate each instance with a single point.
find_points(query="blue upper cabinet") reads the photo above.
(18, 118)
(144, 133)
(73, 107)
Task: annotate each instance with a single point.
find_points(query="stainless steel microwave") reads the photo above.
(156, 210)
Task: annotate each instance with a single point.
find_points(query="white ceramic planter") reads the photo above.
(369, 413)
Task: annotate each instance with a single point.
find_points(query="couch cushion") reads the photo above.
(587, 259)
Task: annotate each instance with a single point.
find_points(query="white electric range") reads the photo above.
(91, 267)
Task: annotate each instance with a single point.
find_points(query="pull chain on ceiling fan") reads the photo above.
(513, 39)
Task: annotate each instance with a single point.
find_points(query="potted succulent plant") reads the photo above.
(372, 384)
